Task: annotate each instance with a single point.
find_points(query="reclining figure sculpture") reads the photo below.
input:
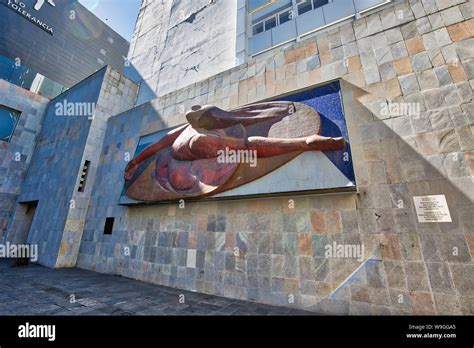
(185, 159)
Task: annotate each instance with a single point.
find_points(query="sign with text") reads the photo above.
(31, 14)
(432, 208)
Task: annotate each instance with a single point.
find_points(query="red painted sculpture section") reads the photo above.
(187, 161)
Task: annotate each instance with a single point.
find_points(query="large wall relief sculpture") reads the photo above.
(297, 143)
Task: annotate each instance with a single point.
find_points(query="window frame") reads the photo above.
(276, 16)
(254, 25)
(300, 2)
(314, 7)
(291, 17)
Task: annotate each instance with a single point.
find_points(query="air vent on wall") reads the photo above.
(85, 171)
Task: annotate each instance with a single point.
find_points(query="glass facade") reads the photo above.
(22, 76)
(256, 4)
(61, 49)
(277, 22)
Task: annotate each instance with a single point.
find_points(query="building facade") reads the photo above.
(406, 73)
(45, 48)
(177, 43)
(50, 46)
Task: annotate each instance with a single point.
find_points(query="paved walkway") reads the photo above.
(36, 290)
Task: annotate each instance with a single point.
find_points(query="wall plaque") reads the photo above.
(432, 208)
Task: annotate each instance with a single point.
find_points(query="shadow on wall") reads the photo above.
(145, 92)
(404, 259)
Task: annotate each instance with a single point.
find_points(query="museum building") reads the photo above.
(301, 153)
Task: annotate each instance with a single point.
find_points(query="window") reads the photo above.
(109, 225)
(257, 28)
(285, 16)
(304, 6)
(319, 3)
(270, 23)
(8, 121)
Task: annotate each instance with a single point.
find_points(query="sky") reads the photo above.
(120, 15)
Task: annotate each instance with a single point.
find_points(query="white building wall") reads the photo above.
(179, 42)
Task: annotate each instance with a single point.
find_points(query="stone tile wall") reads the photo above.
(170, 45)
(54, 167)
(417, 53)
(117, 94)
(65, 142)
(15, 156)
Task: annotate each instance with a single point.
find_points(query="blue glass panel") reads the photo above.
(8, 120)
(253, 4)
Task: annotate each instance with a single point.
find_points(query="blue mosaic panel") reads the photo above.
(327, 100)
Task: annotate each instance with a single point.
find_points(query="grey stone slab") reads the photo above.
(364, 45)
(434, 99)
(372, 75)
(383, 55)
(350, 49)
(451, 15)
(418, 9)
(423, 25)
(440, 277)
(465, 91)
(449, 54)
(436, 57)
(429, 6)
(410, 30)
(313, 62)
(399, 50)
(429, 41)
(436, 21)
(374, 25)
(379, 41)
(387, 71)
(465, 49)
(409, 84)
(469, 68)
(337, 53)
(395, 272)
(467, 10)
(421, 61)
(393, 35)
(451, 95)
(347, 35)
(416, 276)
(442, 37)
(463, 277)
(427, 79)
(368, 60)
